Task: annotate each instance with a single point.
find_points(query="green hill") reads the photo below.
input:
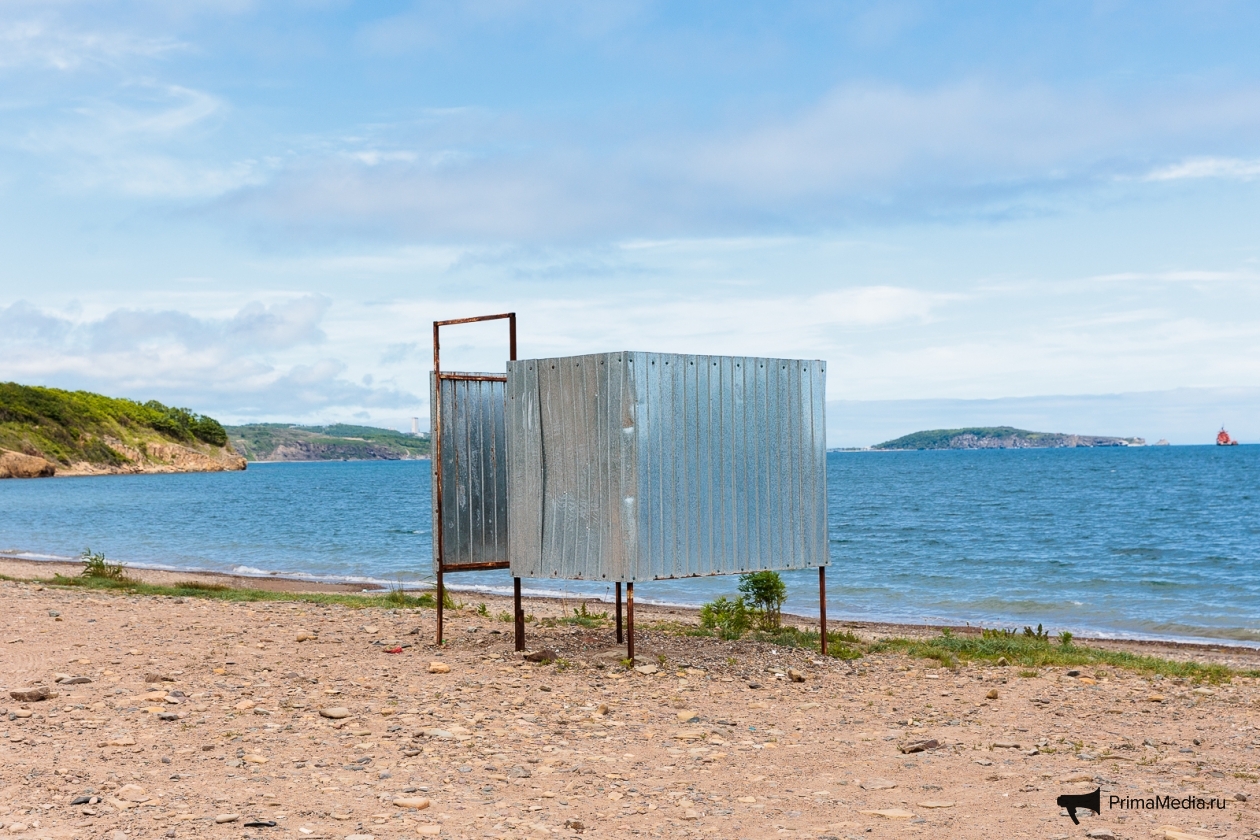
(80, 433)
(338, 442)
(1000, 437)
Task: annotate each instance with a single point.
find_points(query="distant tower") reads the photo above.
(415, 425)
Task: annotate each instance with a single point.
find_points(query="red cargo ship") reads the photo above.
(1223, 438)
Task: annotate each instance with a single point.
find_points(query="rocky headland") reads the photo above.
(1001, 437)
(337, 442)
(48, 432)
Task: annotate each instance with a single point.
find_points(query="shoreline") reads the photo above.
(558, 605)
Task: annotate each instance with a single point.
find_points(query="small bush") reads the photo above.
(1038, 634)
(763, 595)
(583, 618)
(208, 430)
(727, 616)
(96, 566)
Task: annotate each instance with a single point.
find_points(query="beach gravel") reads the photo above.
(329, 739)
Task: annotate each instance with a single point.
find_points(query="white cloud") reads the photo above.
(145, 139)
(48, 43)
(1230, 169)
(1194, 276)
(863, 151)
(260, 361)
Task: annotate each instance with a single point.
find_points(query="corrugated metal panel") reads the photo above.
(472, 437)
(571, 486)
(641, 466)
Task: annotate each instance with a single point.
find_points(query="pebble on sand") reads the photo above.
(890, 813)
(227, 818)
(439, 668)
(1173, 833)
(417, 802)
(31, 695)
(335, 712)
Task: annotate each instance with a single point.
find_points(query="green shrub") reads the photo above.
(763, 596)
(727, 616)
(209, 430)
(1038, 634)
(584, 618)
(96, 451)
(96, 566)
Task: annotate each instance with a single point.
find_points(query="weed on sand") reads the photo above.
(1035, 651)
(220, 592)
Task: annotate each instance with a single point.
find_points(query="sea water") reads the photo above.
(1159, 542)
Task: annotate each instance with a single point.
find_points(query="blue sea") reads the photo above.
(1157, 542)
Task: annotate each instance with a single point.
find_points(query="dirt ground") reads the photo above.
(201, 717)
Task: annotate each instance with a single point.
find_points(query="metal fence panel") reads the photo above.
(472, 439)
(641, 466)
(571, 498)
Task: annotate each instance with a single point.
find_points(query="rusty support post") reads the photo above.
(435, 453)
(441, 596)
(435, 432)
(619, 636)
(519, 614)
(630, 621)
(822, 608)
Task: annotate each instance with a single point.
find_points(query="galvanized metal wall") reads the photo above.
(572, 475)
(641, 466)
(472, 438)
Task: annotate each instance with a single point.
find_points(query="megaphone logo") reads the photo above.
(1072, 801)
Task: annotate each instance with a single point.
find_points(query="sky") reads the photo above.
(256, 210)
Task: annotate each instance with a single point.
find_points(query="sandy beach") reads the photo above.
(182, 717)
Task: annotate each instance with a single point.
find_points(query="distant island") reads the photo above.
(338, 442)
(47, 431)
(1000, 437)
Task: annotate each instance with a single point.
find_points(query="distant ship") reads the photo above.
(1223, 438)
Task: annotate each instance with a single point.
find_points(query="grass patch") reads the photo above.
(1039, 651)
(200, 585)
(398, 598)
(840, 645)
(582, 618)
(219, 592)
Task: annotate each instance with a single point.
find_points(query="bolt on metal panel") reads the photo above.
(473, 452)
(641, 466)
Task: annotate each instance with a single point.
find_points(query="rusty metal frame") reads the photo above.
(436, 459)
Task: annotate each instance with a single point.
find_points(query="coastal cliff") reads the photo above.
(47, 431)
(1001, 437)
(337, 442)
